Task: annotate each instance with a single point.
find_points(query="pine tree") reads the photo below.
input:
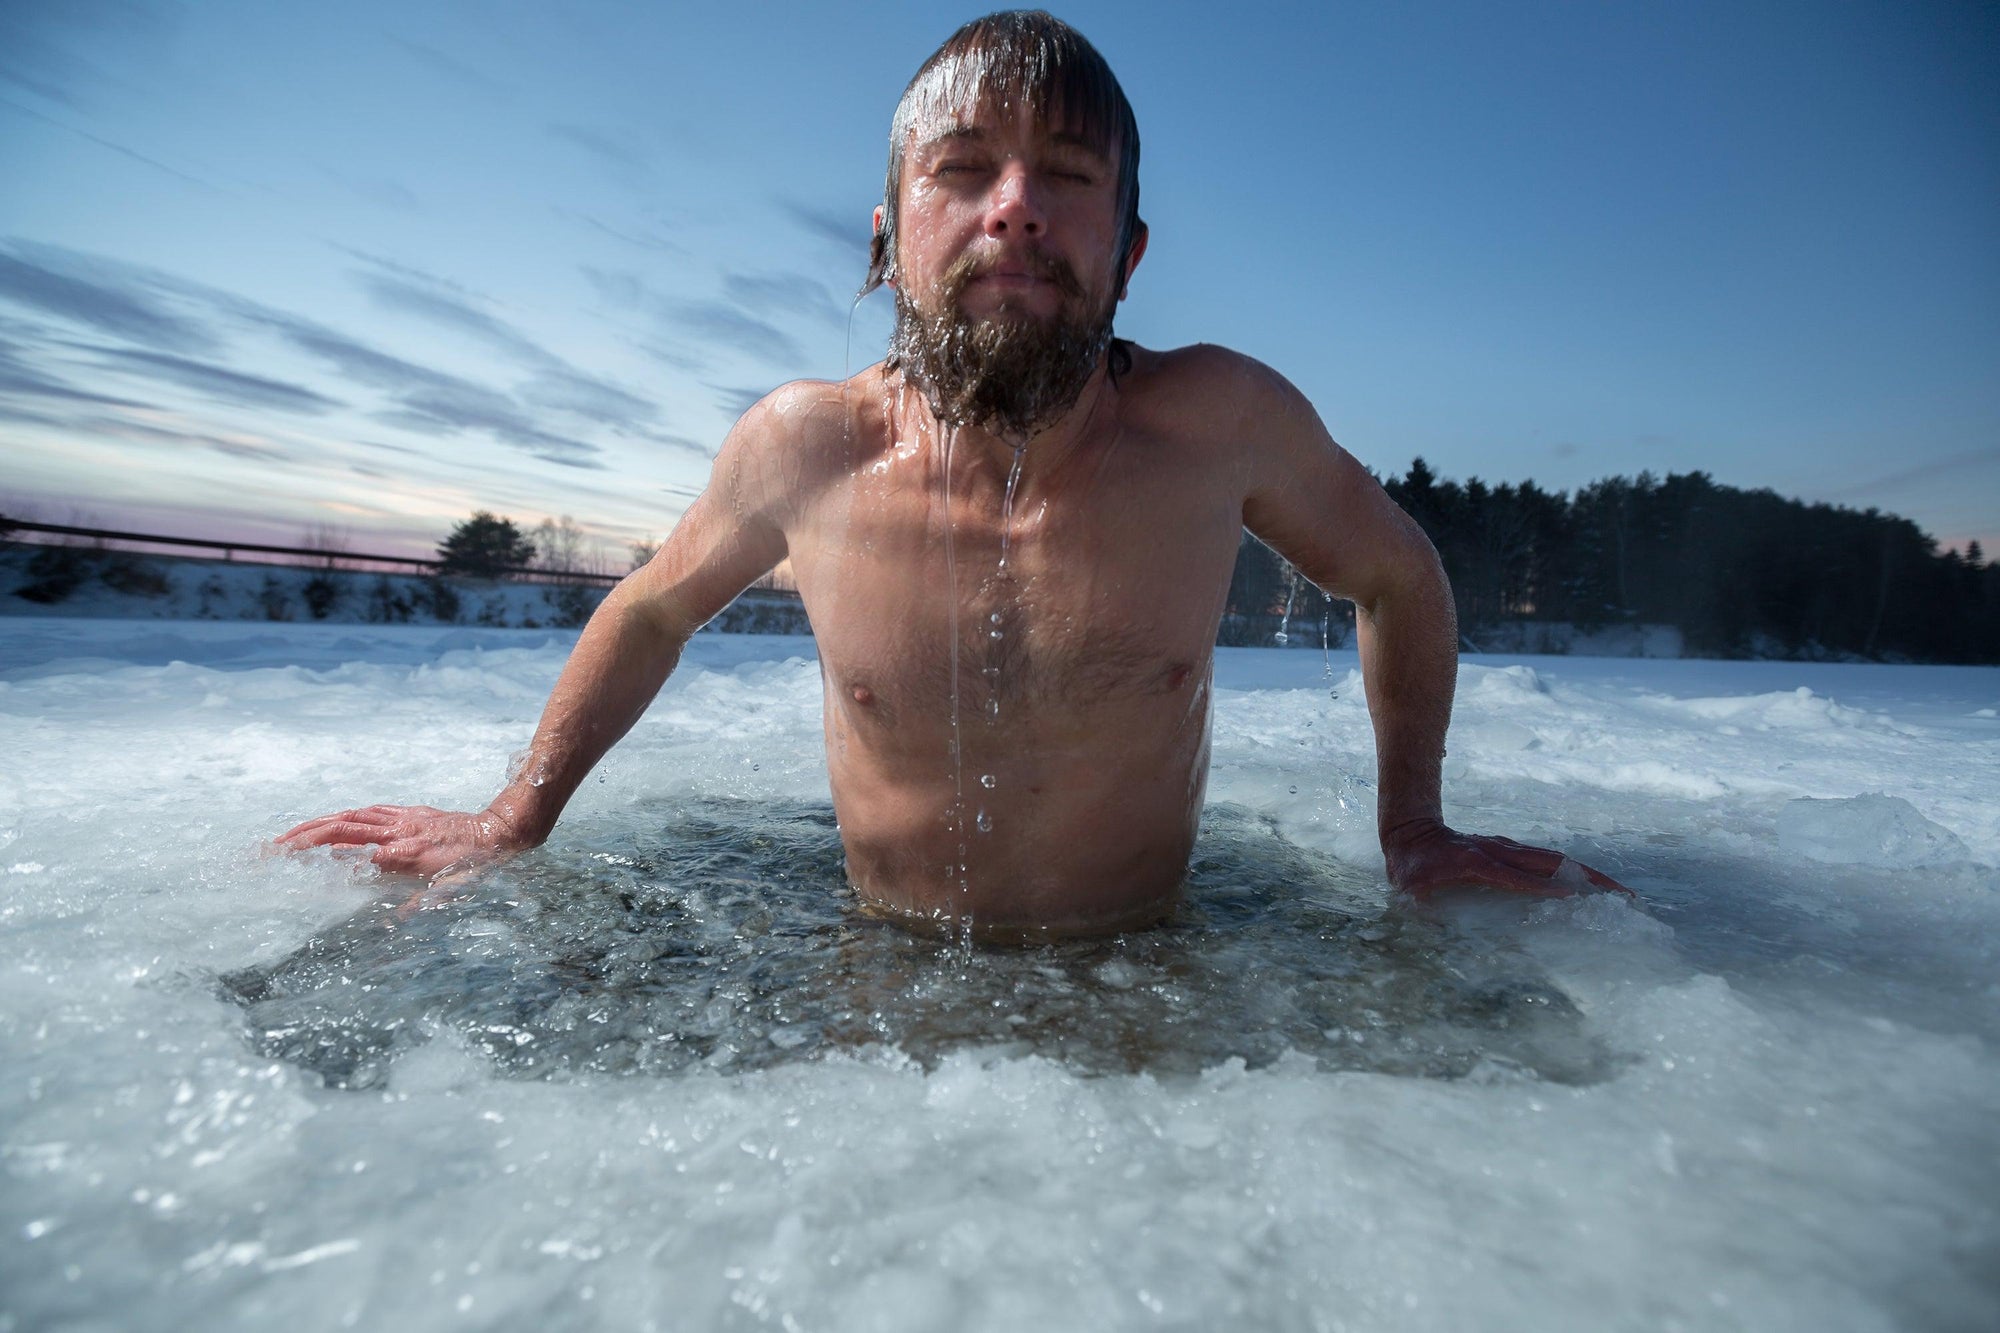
(485, 547)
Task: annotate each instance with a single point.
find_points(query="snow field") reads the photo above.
(1796, 1127)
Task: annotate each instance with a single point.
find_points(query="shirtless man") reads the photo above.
(1014, 539)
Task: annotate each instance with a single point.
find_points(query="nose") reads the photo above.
(1015, 208)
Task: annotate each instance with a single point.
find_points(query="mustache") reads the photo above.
(1050, 268)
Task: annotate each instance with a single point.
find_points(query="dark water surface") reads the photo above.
(726, 937)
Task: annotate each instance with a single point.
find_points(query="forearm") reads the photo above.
(624, 655)
(1408, 639)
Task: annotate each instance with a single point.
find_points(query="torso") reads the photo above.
(1054, 782)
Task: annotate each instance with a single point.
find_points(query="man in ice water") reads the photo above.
(1014, 538)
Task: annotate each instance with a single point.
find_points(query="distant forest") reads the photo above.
(1739, 573)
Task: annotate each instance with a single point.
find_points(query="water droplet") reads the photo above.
(993, 708)
(1295, 791)
(995, 617)
(755, 767)
(995, 634)
(1281, 638)
(988, 781)
(985, 822)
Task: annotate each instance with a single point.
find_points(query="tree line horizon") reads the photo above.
(1739, 573)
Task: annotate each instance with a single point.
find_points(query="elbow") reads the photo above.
(636, 611)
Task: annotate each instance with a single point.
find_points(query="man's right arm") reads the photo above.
(730, 536)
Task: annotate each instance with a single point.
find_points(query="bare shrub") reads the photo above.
(320, 593)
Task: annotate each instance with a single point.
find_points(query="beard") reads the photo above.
(1013, 375)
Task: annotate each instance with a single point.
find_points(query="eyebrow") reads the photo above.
(955, 135)
(974, 134)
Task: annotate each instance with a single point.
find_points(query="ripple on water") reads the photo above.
(726, 937)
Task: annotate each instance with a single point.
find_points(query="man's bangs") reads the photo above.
(1065, 94)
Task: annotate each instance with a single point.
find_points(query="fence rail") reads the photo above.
(319, 555)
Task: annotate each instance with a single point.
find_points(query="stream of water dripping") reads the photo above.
(950, 439)
(996, 630)
(1284, 635)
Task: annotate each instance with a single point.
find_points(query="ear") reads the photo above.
(876, 244)
(1132, 258)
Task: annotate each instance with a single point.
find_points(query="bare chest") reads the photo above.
(1070, 601)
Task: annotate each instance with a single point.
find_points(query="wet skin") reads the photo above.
(1053, 783)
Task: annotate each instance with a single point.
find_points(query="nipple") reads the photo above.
(863, 695)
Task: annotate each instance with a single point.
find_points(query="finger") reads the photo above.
(1489, 873)
(1535, 860)
(1603, 881)
(311, 824)
(374, 814)
(340, 833)
(1516, 879)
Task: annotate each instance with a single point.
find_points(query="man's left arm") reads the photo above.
(1315, 505)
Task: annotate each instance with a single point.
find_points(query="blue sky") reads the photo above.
(377, 265)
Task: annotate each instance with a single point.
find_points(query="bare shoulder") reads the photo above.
(807, 419)
(1231, 406)
(797, 438)
(1215, 386)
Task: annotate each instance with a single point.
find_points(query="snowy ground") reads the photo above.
(81, 583)
(1764, 1099)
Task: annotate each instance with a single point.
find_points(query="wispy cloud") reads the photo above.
(432, 303)
(381, 191)
(38, 53)
(1976, 462)
(557, 385)
(705, 452)
(169, 317)
(730, 326)
(618, 288)
(783, 294)
(607, 147)
(22, 416)
(450, 65)
(104, 143)
(19, 378)
(736, 400)
(705, 324)
(840, 229)
(229, 386)
(255, 448)
(644, 240)
(426, 399)
(28, 279)
(584, 396)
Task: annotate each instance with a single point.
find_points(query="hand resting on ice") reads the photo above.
(1425, 857)
(413, 839)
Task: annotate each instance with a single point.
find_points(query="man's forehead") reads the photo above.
(945, 131)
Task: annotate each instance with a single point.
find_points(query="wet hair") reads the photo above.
(1019, 58)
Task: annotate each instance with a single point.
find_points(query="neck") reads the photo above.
(981, 449)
